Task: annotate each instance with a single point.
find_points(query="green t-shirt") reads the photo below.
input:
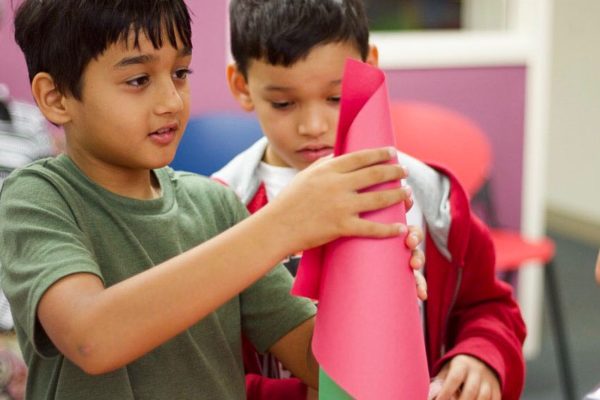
(56, 222)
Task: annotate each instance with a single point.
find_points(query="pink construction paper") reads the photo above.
(368, 335)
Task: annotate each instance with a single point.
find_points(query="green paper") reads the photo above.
(329, 390)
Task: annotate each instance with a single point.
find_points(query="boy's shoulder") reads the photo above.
(26, 175)
(194, 189)
(195, 185)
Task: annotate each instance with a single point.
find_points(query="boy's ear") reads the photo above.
(239, 87)
(373, 56)
(49, 99)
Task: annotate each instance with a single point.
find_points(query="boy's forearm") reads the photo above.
(148, 309)
(294, 350)
(313, 367)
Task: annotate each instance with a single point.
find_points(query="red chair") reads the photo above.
(436, 134)
(432, 133)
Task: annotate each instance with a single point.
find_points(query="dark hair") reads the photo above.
(282, 32)
(61, 37)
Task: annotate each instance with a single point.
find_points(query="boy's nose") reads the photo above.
(313, 124)
(169, 100)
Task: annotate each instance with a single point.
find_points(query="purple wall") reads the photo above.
(495, 99)
(12, 64)
(210, 38)
(209, 90)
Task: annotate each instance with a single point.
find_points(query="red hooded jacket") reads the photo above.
(468, 310)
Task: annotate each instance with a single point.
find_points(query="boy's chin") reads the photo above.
(160, 162)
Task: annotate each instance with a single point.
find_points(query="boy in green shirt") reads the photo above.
(128, 280)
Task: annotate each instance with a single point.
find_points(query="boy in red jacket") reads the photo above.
(289, 59)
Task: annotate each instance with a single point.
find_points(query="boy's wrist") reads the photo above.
(277, 231)
(285, 232)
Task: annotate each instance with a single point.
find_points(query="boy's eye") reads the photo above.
(182, 73)
(281, 105)
(138, 81)
(334, 99)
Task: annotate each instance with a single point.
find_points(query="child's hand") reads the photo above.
(323, 201)
(417, 259)
(467, 378)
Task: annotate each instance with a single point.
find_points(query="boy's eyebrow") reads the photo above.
(275, 88)
(184, 52)
(148, 58)
(141, 59)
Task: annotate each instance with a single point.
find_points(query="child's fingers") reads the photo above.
(485, 392)
(362, 158)
(434, 388)
(471, 387)
(421, 285)
(408, 203)
(414, 237)
(452, 382)
(496, 393)
(363, 227)
(377, 174)
(417, 259)
(370, 201)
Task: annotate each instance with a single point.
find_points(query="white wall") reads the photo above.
(573, 163)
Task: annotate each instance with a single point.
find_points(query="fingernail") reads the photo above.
(405, 169)
(408, 190)
(402, 228)
(392, 151)
(416, 262)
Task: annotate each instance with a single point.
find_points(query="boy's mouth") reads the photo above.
(164, 135)
(313, 153)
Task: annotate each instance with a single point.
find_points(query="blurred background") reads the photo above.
(525, 72)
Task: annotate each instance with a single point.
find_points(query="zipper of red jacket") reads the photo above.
(452, 302)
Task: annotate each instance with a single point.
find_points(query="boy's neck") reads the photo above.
(141, 184)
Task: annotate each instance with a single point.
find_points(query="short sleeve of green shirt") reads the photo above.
(41, 243)
(263, 323)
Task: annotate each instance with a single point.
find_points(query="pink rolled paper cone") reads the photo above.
(368, 334)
